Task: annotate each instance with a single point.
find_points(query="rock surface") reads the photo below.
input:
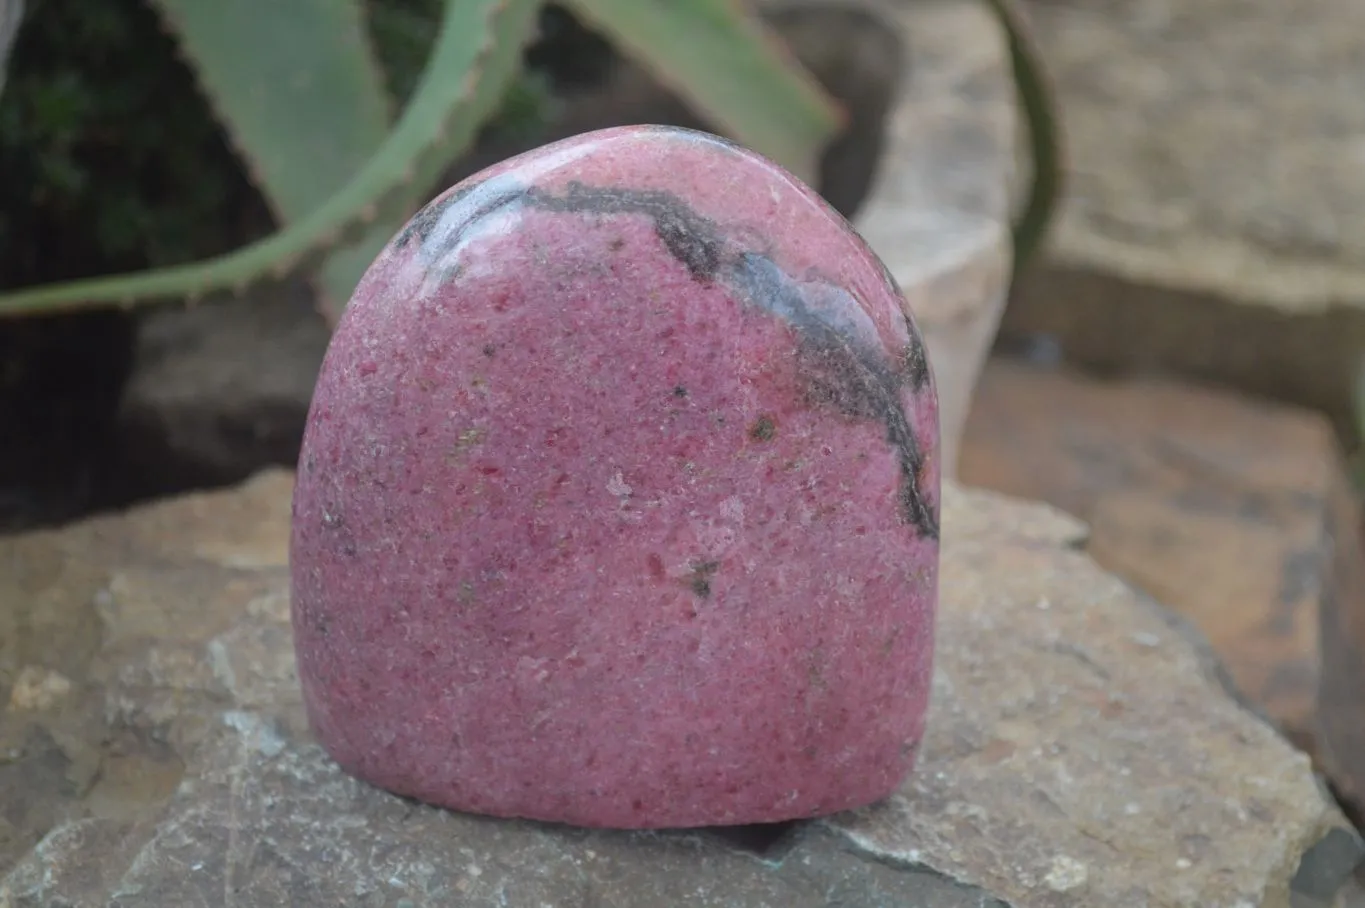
(1215, 212)
(1079, 751)
(1340, 707)
(222, 389)
(618, 501)
(1235, 512)
(1231, 511)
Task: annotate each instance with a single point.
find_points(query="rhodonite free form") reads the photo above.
(618, 501)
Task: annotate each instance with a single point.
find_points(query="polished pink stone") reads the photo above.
(618, 502)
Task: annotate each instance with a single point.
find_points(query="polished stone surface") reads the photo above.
(618, 503)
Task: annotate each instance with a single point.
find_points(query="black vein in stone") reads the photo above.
(690, 238)
(916, 366)
(841, 372)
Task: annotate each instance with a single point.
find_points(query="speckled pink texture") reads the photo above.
(618, 501)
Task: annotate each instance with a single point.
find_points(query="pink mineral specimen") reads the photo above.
(618, 502)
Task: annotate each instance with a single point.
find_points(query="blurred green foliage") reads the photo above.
(118, 156)
(113, 161)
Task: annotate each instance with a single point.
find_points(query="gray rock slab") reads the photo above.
(1214, 219)
(1082, 750)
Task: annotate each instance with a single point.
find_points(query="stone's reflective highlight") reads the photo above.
(618, 503)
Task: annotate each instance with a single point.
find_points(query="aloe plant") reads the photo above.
(1035, 101)
(299, 91)
(305, 113)
(476, 52)
(732, 69)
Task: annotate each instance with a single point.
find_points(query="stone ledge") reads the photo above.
(1234, 512)
(1081, 749)
(1213, 221)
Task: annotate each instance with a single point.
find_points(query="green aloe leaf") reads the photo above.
(345, 266)
(296, 86)
(475, 57)
(303, 99)
(1039, 106)
(724, 61)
